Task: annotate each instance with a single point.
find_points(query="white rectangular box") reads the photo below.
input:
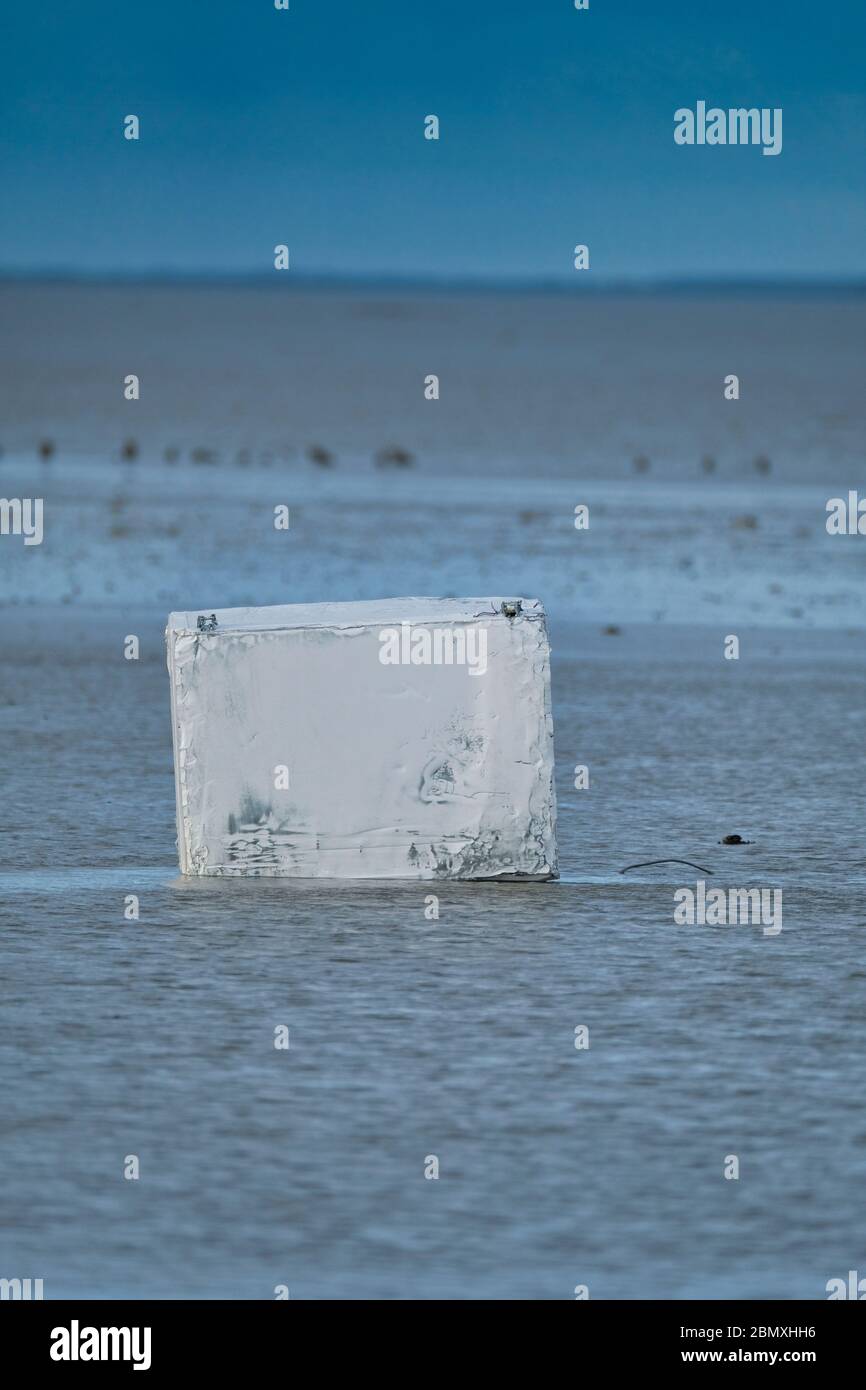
(401, 738)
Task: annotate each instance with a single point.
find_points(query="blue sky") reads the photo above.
(306, 127)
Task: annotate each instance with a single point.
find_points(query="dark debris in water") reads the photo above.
(646, 862)
(394, 457)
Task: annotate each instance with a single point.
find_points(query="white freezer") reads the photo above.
(401, 738)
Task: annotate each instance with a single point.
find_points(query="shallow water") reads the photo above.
(455, 1037)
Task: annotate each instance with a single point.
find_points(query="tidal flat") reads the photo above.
(559, 1165)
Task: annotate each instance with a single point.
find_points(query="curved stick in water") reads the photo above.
(645, 862)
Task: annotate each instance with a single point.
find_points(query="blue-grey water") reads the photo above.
(453, 1037)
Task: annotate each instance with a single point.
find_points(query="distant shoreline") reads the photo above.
(294, 282)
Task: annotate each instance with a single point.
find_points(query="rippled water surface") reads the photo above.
(453, 1037)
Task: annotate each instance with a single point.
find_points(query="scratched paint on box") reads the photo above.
(327, 740)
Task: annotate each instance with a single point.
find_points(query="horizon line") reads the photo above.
(383, 281)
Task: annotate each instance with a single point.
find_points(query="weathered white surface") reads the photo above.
(395, 770)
